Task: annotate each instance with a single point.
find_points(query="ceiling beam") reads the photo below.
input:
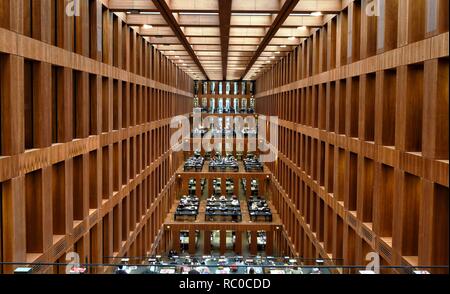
(287, 8)
(171, 21)
(225, 20)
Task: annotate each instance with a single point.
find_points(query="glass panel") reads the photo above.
(230, 239)
(244, 105)
(252, 103)
(228, 105)
(212, 105)
(220, 106)
(236, 105)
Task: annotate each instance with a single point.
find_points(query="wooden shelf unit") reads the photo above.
(363, 109)
(85, 159)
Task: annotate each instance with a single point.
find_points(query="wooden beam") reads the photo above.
(225, 19)
(287, 8)
(171, 21)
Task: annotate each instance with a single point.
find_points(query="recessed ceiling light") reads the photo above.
(147, 26)
(176, 56)
(273, 57)
(301, 28)
(171, 51)
(291, 38)
(316, 13)
(283, 46)
(278, 52)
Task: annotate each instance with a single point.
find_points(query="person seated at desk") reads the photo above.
(121, 271)
(234, 268)
(296, 271)
(222, 198)
(172, 253)
(235, 202)
(254, 206)
(213, 198)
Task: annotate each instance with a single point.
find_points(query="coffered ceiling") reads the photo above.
(225, 39)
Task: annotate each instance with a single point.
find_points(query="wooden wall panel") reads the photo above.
(76, 93)
(378, 154)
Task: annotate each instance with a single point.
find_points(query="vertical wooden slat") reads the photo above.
(14, 230)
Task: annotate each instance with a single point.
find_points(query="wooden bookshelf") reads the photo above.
(85, 161)
(366, 169)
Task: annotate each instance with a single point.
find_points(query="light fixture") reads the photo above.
(176, 56)
(199, 13)
(300, 14)
(278, 52)
(149, 13)
(291, 38)
(316, 13)
(147, 26)
(301, 28)
(250, 14)
(283, 46)
(367, 272)
(23, 270)
(171, 51)
(273, 57)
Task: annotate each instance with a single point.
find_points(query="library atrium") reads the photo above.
(224, 136)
